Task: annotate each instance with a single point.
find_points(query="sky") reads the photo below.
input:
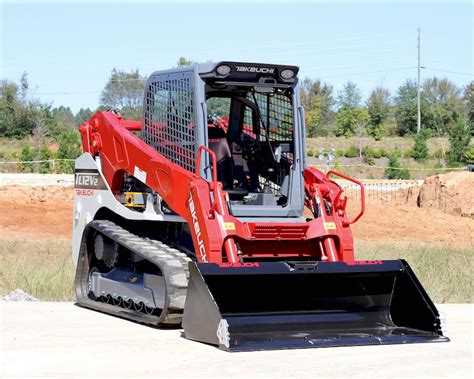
(69, 48)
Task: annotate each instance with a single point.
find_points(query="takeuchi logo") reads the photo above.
(257, 70)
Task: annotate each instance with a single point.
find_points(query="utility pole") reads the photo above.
(418, 125)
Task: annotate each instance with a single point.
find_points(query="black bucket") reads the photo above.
(261, 306)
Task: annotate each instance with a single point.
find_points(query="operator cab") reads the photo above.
(248, 114)
(251, 129)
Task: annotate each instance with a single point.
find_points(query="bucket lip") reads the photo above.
(319, 267)
(308, 343)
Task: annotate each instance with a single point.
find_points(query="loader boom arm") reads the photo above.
(326, 237)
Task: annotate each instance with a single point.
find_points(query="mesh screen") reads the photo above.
(169, 122)
(277, 112)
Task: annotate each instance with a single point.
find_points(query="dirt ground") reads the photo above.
(36, 212)
(46, 212)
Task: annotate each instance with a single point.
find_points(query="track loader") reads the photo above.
(205, 214)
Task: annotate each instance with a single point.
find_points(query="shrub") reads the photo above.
(45, 154)
(2, 154)
(27, 154)
(380, 132)
(395, 171)
(372, 153)
(439, 154)
(339, 153)
(469, 154)
(420, 149)
(13, 156)
(397, 153)
(367, 152)
(311, 153)
(377, 154)
(351, 152)
(409, 154)
(383, 152)
(459, 139)
(69, 148)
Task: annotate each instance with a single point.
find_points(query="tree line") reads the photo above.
(384, 114)
(446, 110)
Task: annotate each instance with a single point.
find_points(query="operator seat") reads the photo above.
(225, 163)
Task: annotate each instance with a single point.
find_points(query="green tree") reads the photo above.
(394, 170)
(444, 103)
(69, 148)
(26, 156)
(16, 114)
(83, 115)
(63, 115)
(406, 109)
(318, 101)
(184, 62)
(124, 92)
(45, 154)
(468, 99)
(378, 106)
(420, 149)
(350, 115)
(459, 139)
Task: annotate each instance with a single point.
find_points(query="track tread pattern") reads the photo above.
(172, 263)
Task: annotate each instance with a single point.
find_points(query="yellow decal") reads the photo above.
(229, 226)
(133, 279)
(330, 225)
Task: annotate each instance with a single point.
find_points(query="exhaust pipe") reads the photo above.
(284, 305)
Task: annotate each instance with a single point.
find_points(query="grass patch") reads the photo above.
(42, 269)
(445, 273)
(45, 270)
(388, 144)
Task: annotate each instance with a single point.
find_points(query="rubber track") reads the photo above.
(172, 263)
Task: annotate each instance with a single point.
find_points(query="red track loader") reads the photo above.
(194, 216)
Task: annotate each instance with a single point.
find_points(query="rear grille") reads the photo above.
(275, 231)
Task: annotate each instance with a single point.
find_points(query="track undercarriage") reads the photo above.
(128, 276)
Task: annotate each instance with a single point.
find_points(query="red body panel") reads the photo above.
(215, 232)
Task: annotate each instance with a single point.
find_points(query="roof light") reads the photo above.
(287, 74)
(223, 69)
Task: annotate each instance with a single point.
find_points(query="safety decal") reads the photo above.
(229, 226)
(330, 225)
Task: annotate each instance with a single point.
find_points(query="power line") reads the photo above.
(344, 50)
(449, 71)
(369, 72)
(353, 66)
(324, 77)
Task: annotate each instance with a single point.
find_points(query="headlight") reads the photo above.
(287, 74)
(223, 69)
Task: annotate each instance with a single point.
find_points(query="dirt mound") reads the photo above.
(451, 193)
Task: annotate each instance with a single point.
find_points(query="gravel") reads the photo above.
(19, 295)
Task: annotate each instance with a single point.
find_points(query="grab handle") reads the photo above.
(214, 164)
(362, 195)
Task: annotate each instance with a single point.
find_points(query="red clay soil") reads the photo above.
(451, 193)
(36, 212)
(46, 213)
(414, 225)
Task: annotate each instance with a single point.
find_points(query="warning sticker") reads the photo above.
(330, 225)
(229, 226)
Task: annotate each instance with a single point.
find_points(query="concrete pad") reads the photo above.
(63, 340)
